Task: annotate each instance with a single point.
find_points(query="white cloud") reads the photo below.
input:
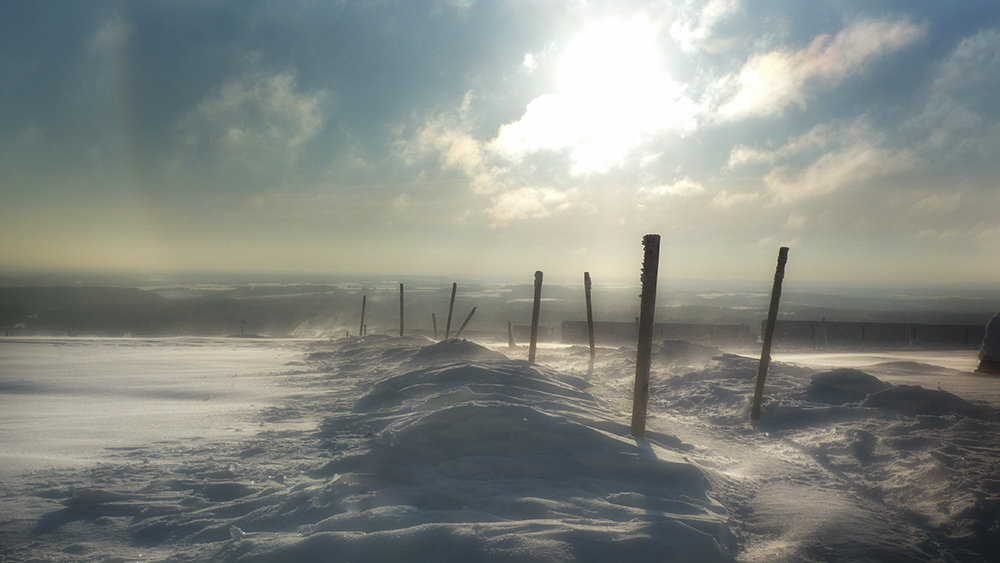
(692, 30)
(250, 132)
(771, 82)
(728, 200)
(816, 138)
(825, 159)
(681, 188)
(961, 111)
(528, 203)
(849, 166)
(260, 110)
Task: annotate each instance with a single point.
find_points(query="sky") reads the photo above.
(496, 138)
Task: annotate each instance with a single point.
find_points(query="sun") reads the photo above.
(611, 88)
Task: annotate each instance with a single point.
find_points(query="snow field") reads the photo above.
(386, 448)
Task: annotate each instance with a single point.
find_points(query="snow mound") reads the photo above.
(454, 349)
(914, 400)
(682, 352)
(419, 452)
(843, 386)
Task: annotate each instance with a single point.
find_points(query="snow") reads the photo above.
(384, 448)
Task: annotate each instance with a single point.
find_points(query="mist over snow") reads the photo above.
(387, 448)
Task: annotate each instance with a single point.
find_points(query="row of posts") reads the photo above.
(644, 346)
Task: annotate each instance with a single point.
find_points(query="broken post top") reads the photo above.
(651, 256)
(538, 276)
(779, 273)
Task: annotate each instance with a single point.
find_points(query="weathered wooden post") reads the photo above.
(451, 307)
(434, 321)
(401, 310)
(510, 335)
(772, 317)
(534, 317)
(364, 302)
(467, 319)
(644, 347)
(590, 312)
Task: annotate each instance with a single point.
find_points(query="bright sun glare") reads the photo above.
(611, 89)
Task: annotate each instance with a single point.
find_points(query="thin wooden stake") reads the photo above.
(534, 317)
(590, 313)
(400, 310)
(364, 302)
(467, 319)
(451, 307)
(434, 320)
(644, 347)
(510, 335)
(772, 316)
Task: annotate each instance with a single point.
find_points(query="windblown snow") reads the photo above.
(403, 449)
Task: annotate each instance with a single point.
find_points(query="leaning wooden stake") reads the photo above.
(644, 348)
(364, 302)
(772, 316)
(510, 335)
(400, 310)
(467, 319)
(534, 317)
(590, 313)
(451, 307)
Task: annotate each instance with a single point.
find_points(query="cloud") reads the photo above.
(681, 188)
(528, 203)
(771, 82)
(849, 166)
(728, 200)
(825, 159)
(111, 37)
(961, 112)
(816, 138)
(252, 129)
(692, 30)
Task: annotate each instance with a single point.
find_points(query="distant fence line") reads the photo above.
(820, 333)
(859, 334)
(618, 333)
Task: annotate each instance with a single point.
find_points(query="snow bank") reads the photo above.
(421, 452)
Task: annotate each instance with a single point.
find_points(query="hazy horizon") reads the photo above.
(492, 139)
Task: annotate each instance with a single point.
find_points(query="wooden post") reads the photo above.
(772, 316)
(534, 317)
(434, 321)
(644, 347)
(510, 335)
(590, 312)
(364, 302)
(467, 319)
(400, 310)
(451, 307)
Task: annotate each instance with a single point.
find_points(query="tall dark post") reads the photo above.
(400, 310)
(772, 316)
(534, 317)
(644, 347)
(451, 307)
(590, 313)
(364, 302)
(467, 319)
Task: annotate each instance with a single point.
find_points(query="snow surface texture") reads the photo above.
(382, 449)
